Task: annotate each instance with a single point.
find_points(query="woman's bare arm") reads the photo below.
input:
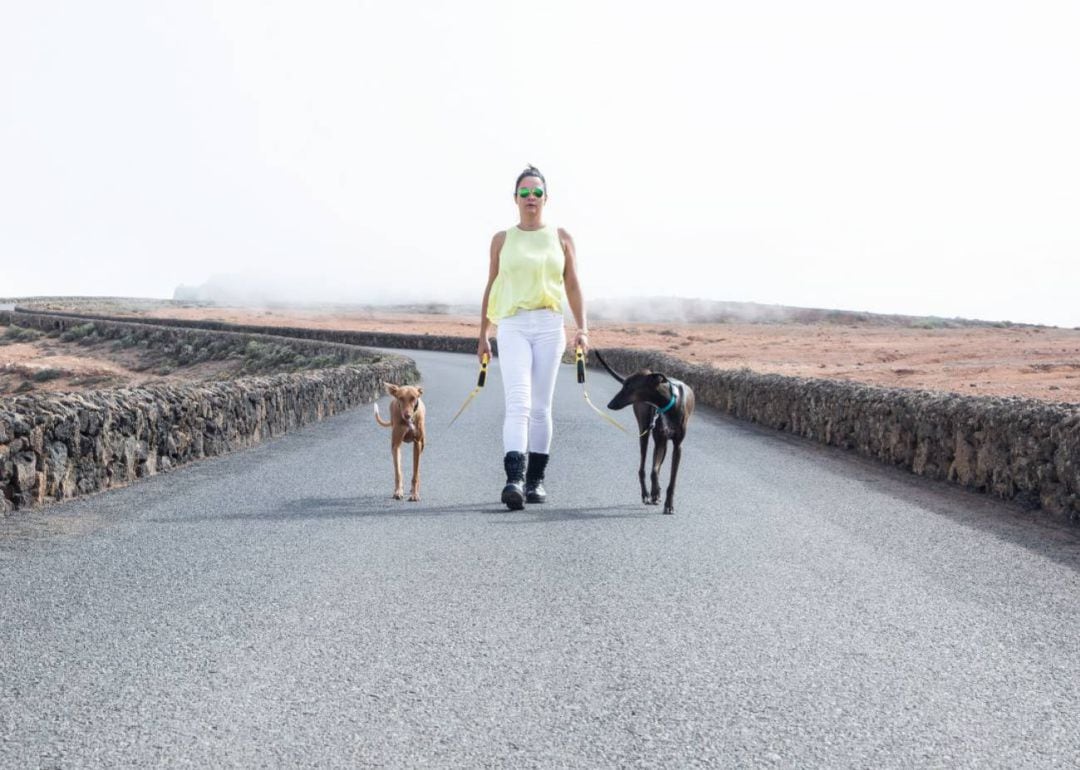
(493, 271)
(574, 294)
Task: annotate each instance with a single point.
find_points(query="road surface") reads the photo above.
(804, 607)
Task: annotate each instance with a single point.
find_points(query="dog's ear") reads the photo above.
(391, 388)
(656, 378)
(419, 391)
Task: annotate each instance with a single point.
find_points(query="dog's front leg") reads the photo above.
(676, 455)
(418, 448)
(659, 453)
(399, 484)
(641, 469)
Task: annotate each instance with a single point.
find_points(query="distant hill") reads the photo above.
(682, 310)
(622, 310)
(629, 310)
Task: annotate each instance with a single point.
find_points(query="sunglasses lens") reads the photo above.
(537, 192)
(523, 192)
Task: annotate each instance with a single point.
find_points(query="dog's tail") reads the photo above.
(611, 371)
(379, 419)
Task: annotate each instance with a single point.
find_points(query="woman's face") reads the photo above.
(530, 205)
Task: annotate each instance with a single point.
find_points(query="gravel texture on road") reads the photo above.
(275, 607)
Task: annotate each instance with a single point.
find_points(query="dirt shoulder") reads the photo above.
(1034, 362)
(50, 365)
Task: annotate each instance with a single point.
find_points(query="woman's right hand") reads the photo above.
(483, 348)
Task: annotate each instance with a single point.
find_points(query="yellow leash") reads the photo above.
(479, 384)
(579, 359)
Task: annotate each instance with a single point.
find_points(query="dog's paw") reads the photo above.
(414, 498)
(399, 495)
(669, 510)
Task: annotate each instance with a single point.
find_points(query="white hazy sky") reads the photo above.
(912, 157)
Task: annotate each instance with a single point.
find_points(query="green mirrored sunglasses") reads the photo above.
(537, 192)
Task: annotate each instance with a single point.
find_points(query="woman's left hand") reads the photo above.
(581, 339)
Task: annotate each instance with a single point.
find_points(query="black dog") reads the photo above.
(662, 406)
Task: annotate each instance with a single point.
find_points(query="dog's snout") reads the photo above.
(619, 401)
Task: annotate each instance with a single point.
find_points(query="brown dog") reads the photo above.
(407, 423)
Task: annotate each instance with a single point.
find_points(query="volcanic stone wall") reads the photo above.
(1012, 448)
(56, 446)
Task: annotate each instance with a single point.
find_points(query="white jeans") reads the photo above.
(531, 345)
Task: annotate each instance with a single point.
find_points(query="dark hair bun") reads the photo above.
(531, 170)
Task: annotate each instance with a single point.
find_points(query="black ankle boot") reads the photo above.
(534, 478)
(513, 493)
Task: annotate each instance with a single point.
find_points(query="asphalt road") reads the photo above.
(275, 607)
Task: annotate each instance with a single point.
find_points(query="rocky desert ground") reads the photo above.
(960, 356)
(32, 361)
(91, 356)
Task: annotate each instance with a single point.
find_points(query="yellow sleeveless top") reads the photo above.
(530, 273)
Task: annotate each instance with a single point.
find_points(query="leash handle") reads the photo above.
(480, 383)
(579, 360)
(483, 370)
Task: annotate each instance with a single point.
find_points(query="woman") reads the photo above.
(533, 267)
